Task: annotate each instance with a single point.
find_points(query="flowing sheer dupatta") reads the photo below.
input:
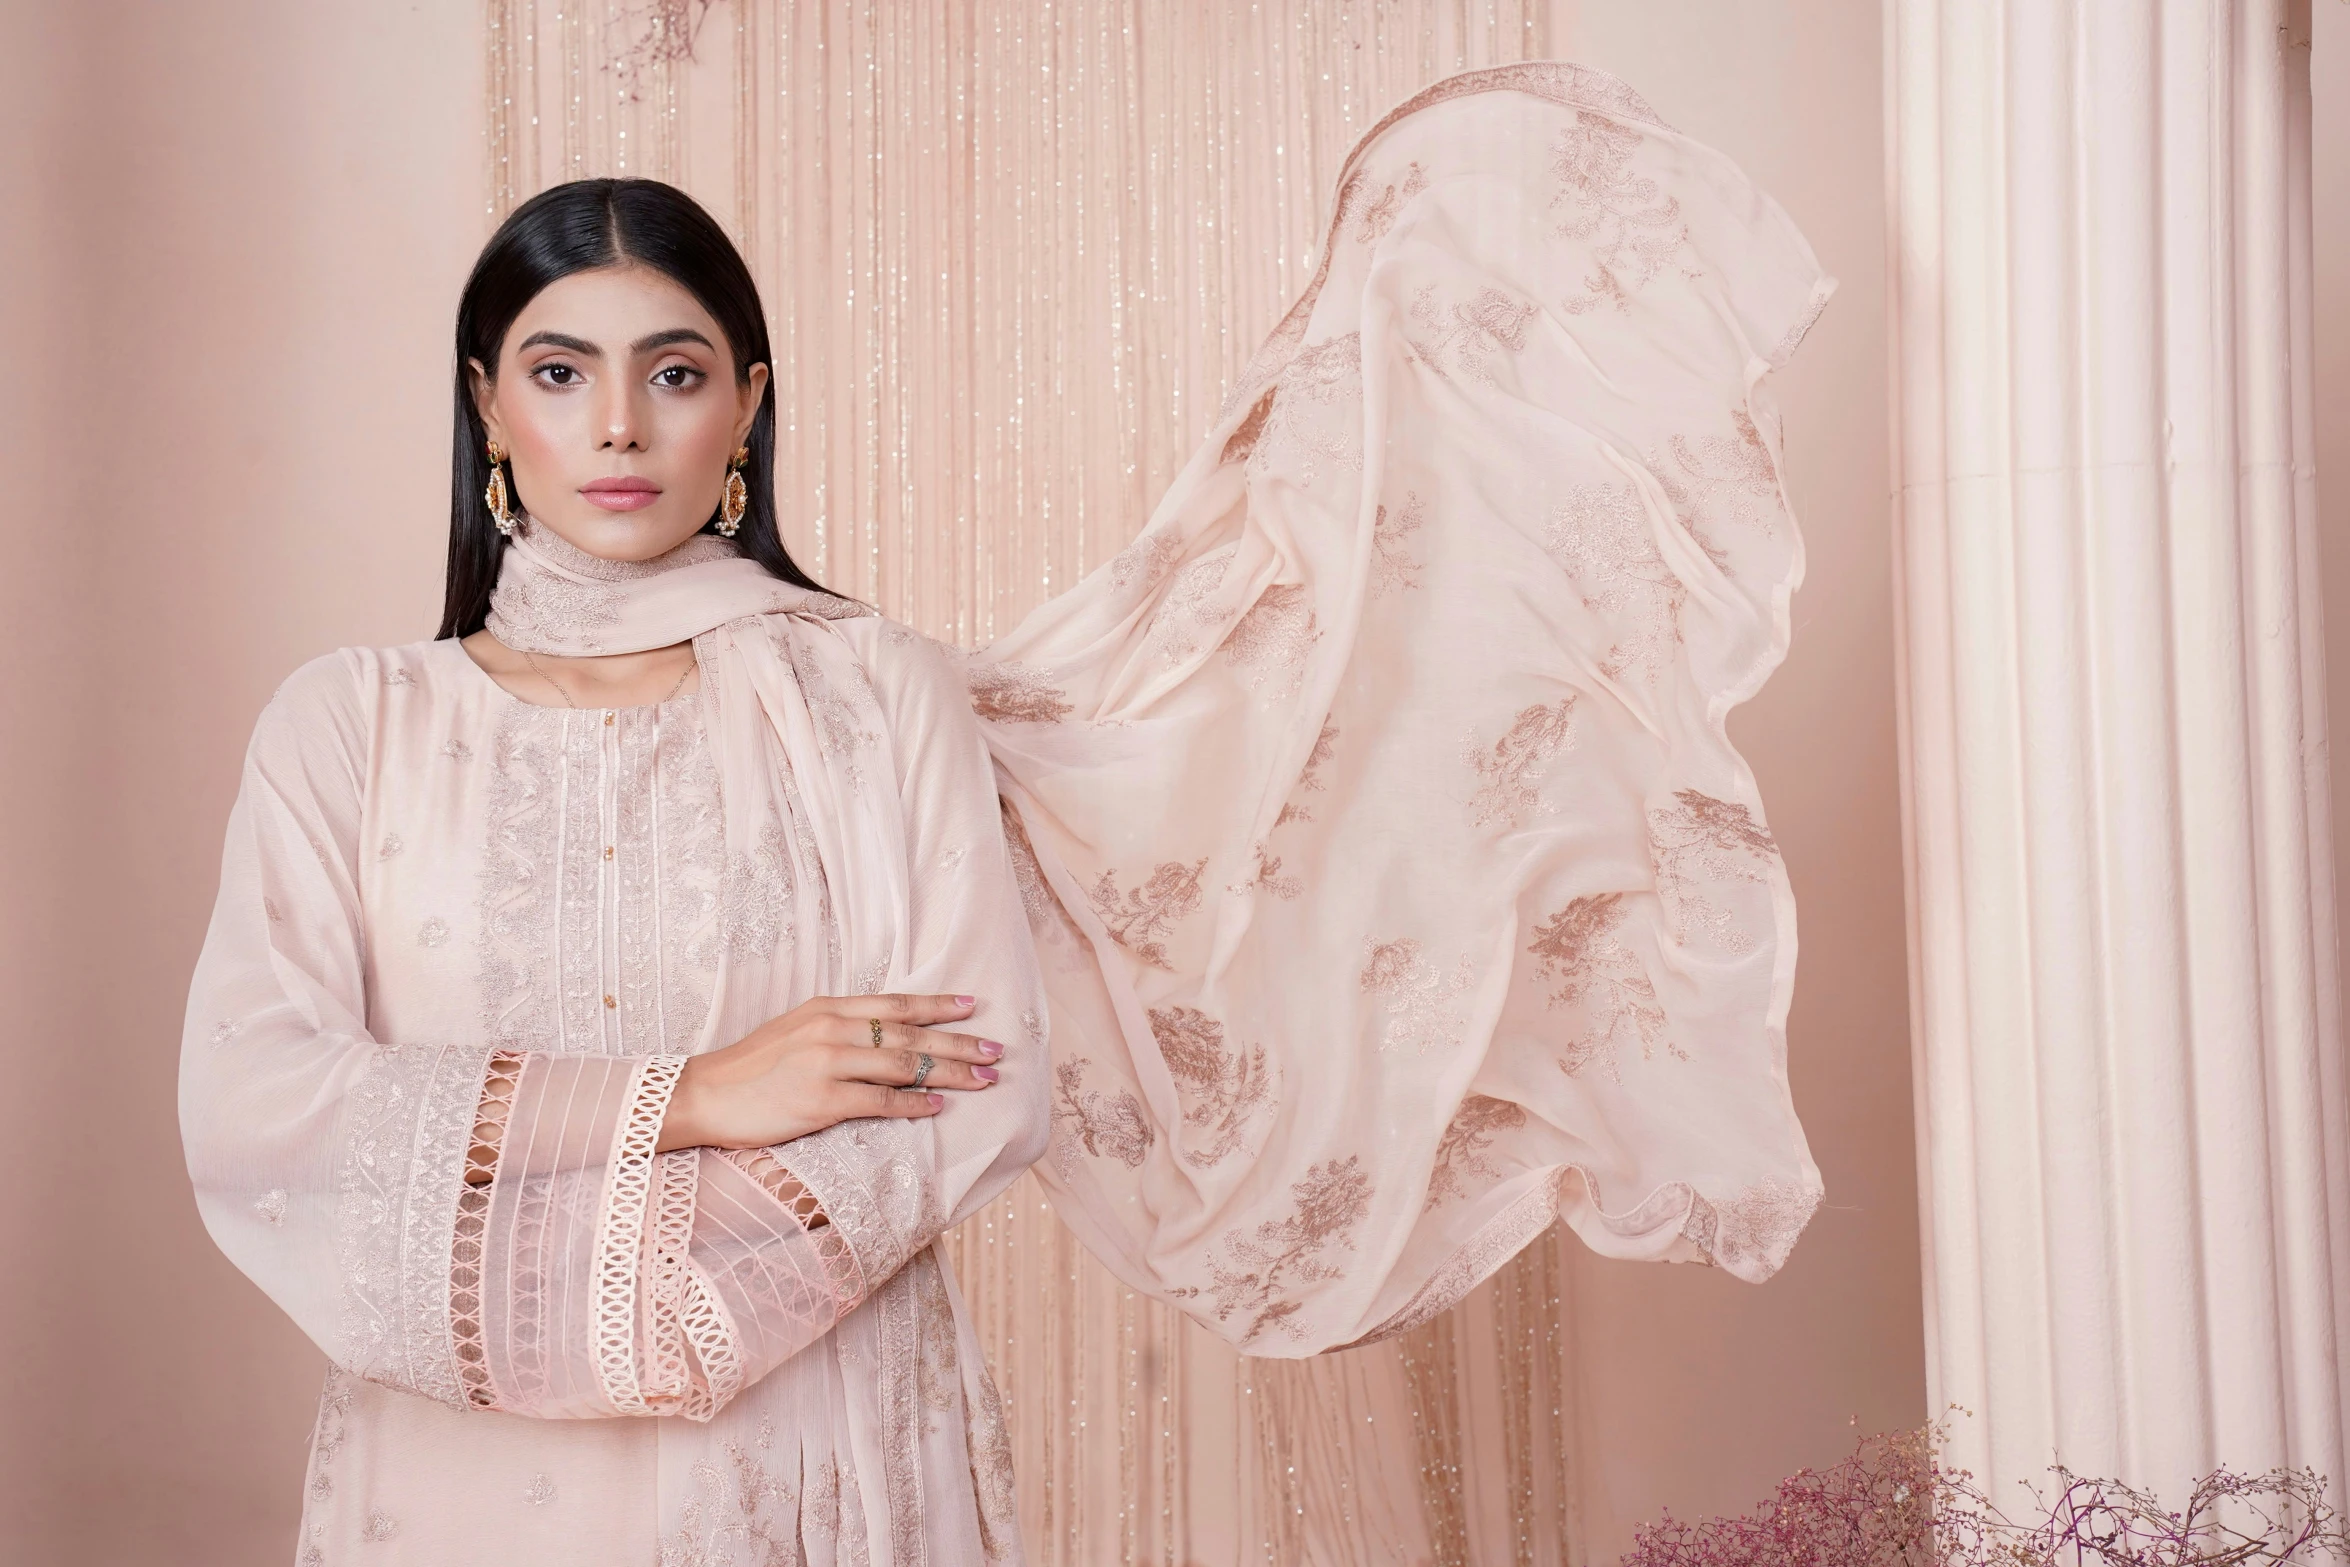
(1397, 887)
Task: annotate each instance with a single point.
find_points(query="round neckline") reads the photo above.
(456, 647)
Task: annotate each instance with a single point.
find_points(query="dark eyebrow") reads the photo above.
(577, 345)
(676, 334)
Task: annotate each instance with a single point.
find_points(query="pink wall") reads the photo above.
(234, 235)
(1703, 1392)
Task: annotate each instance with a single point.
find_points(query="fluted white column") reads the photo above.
(2129, 1075)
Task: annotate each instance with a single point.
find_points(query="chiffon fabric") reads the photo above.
(1397, 887)
(1371, 861)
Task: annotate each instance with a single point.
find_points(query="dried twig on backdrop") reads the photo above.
(661, 32)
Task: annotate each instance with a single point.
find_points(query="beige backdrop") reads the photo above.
(233, 234)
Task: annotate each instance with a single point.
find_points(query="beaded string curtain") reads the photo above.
(1013, 254)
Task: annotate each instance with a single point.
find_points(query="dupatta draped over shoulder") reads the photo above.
(1396, 884)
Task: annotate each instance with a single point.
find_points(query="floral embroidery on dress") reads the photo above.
(1511, 768)
(534, 606)
(939, 1370)
(1633, 227)
(1392, 565)
(990, 1446)
(1735, 470)
(1597, 972)
(1014, 694)
(1316, 408)
(1700, 840)
(457, 751)
(391, 846)
(1271, 641)
(1241, 444)
(1047, 918)
(741, 1515)
(1757, 1227)
(1601, 535)
(1491, 321)
(755, 897)
(613, 831)
(1145, 561)
(1267, 875)
(399, 677)
(1138, 918)
(1190, 605)
(433, 932)
(1108, 1126)
(226, 1030)
(1461, 1151)
(1332, 1198)
(326, 1438)
(540, 1491)
(1309, 780)
(1374, 213)
(1221, 1087)
(271, 1205)
(839, 722)
(1419, 998)
(380, 1526)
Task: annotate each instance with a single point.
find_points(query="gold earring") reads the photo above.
(501, 506)
(738, 494)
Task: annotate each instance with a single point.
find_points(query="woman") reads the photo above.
(538, 1074)
(1396, 889)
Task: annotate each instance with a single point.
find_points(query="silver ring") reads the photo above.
(922, 1072)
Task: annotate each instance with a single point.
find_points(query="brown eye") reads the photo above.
(676, 376)
(556, 375)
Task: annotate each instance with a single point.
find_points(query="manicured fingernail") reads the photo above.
(986, 1074)
(966, 1001)
(937, 1101)
(990, 1049)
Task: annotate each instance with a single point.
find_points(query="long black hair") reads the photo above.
(576, 228)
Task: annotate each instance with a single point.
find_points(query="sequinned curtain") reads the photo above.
(1013, 253)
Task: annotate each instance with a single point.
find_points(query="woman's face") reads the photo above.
(615, 398)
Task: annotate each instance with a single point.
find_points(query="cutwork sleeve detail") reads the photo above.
(621, 1238)
(473, 1209)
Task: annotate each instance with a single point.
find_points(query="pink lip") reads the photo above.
(622, 494)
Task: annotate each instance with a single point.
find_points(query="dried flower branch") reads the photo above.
(1895, 1503)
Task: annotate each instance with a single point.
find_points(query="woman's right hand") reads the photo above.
(816, 1065)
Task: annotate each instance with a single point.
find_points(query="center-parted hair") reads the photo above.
(577, 228)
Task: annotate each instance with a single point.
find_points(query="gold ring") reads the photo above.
(874, 1024)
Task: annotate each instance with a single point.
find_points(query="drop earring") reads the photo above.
(738, 494)
(501, 505)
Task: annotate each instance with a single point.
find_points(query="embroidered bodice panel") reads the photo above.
(597, 836)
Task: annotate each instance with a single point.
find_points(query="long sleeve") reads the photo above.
(329, 1164)
(484, 1225)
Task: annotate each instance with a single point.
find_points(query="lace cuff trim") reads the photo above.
(841, 1269)
(668, 1383)
(709, 1329)
(499, 1082)
(621, 1240)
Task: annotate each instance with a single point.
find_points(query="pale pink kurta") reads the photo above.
(429, 883)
